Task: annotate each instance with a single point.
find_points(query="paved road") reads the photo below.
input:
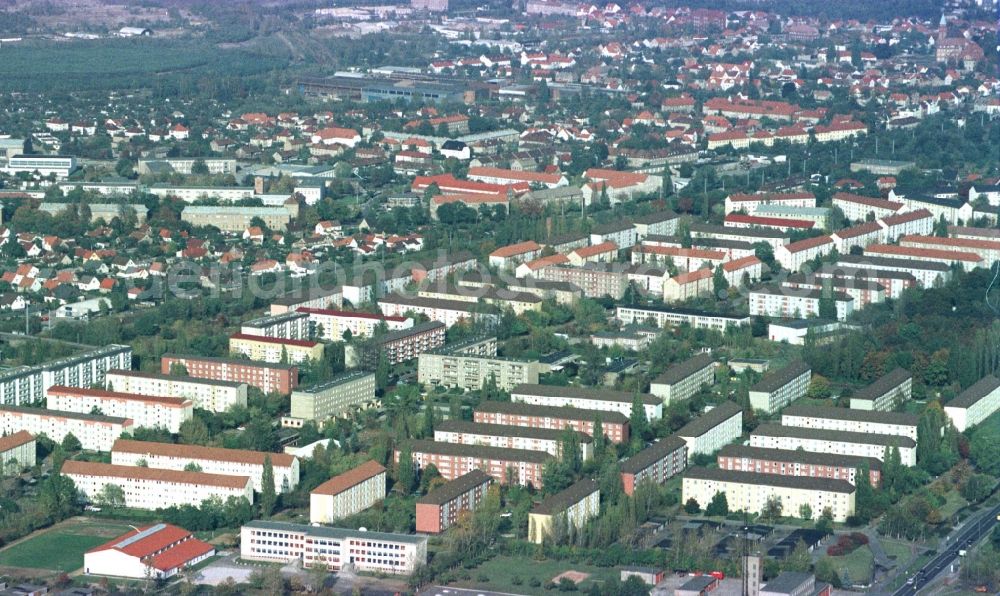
(970, 534)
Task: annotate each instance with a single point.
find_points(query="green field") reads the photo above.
(502, 571)
(53, 551)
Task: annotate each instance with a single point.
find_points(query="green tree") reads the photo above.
(194, 431)
(719, 506)
(404, 470)
(111, 495)
(70, 443)
(978, 487)
(806, 512)
(638, 423)
(570, 450)
(600, 441)
(799, 560)
(427, 429)
(268, 495)
(691, 507)
(720, 285)
(382, 372)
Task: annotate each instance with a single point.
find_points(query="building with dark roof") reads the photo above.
(975, 404)
(515, 466)
(684, 379)
(574, 505)
(707, 433)
(774, 436)
(780, 387)
(614, 425)
(440, 508)
(751, 492)
(859, 421)
(887, 392)
(587, 397)
(657, 463)
(509, 436)
(797, 463)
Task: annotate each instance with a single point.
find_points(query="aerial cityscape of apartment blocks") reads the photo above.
(269, 378)
(152, 488)
(95, 432)
(347, 494)
(439, 509)
(614, 424)
(334, 548)
(146, 411)
(207, 394)
(213, 460)
(27, 384)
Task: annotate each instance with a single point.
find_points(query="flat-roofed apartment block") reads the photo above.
(440, 508)
(613, 424)
(588, 398)
(975, 404)
(95, 432)
(289, 325)
(207, 394)
(213, 460)
(397, 346)
(27, 384)
(774, 436)
(778, 388)
(146, 411)
(308, 298)
(796, 462)
(351, 492)
(509, 437)
(514, 466)
(857, 421)
(17, 452)
(449, 312)
(152, 488)
(275, 350)
(888, 391)
(750, 492)
(269, 378)
(669, 317)
(657, 463)
(570, 508)
(332, 325)
(454, 366)
(714, 429)
(682, 380)
(334, 548)
(337, 397)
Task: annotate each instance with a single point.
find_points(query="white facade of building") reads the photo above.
(214, 396)
(150, 488)
(146, 411)
(96, 433)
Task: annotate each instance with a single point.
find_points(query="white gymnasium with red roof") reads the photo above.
(154, 552)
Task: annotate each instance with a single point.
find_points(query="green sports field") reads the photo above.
(59, 549)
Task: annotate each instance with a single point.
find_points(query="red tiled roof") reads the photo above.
(926, 253)
(859, 230)
(901, 218)
(15, 440)
(953, 242)
(339, 484)
(243, 456)
(147, 545)
(696, 253)
(516, 249)
(302, 343)
(869, 201)
(770, 196)
(770, 221)
(174, 402)
(736, 265)
(179, 555)
(807, 244)
(90, 468)
(692, 276)
(596, 249)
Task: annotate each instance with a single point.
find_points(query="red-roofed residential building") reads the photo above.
(838, 131)
(989, 249)
(146, 411)
(502, 176)
(749, 267)
(860, 235)
(449, 185)
(152, 552)
(339, 136)
(530, 268)
(968, 259)
(472, 201)
(685, 259)
(347, 494)
(920, 222)
(749, 203)
(687, 286)
(506, 257)
(858, 208)
(740, 220)
(793, 256)
(275, 350)
(605, 252)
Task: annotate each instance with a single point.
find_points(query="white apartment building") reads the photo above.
(370, 552)
(670, 317)
(782, 302)
(347, 494)
(448, 312)
(336, 397)
(96, 433)
(190, 194)
(778, 388)
(907, 223)
(968, 259)
(927, 274)
(152, 488)
(212, 460)
(751, 202)
(27, 384)
(750, 492)
(796, 254)
(883, 395)
(289, 325)
(17, 452)
(464, 432)
(575, 505)
(773, 436)
(856, 421)
(684, 379)
(331, 325)
(713, 430)
(859, 208)
(587, 398)
(207, 394)
(146, 411)
(861, 236)
(975, 404)
(622, 234)
(454, 369)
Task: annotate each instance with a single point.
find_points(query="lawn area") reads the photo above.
(953, 502)
(858, 565)
(55, 551)
(897, 551)
(501, 574)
